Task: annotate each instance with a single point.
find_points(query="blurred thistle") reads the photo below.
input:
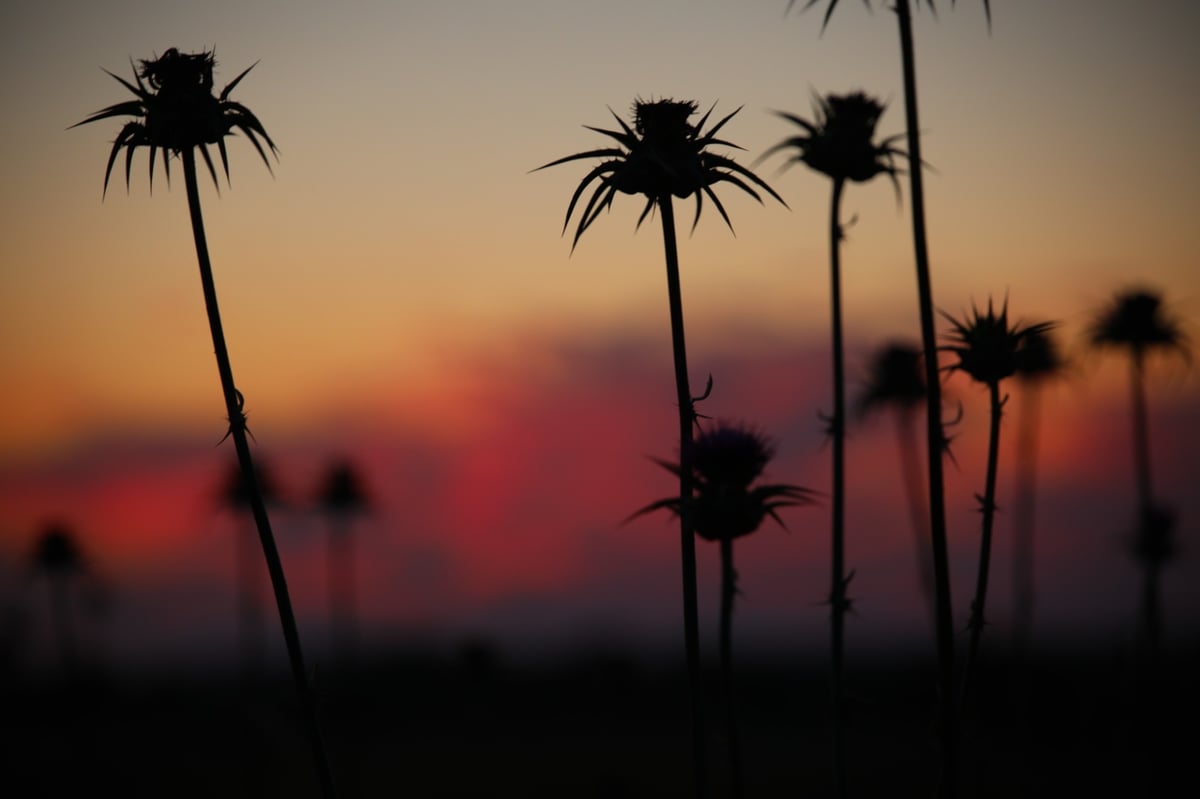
(840, 144)
(896, 379)
(57, 556)
(989, 350)
(341, 497)
(726, 461)
(663, 156)
(176, 111)
(1136, 321)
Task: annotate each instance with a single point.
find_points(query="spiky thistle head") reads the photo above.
(896, 378)
(725, 462)
(989, 349)
(176, 111)
(1136, 320)
(839, 142)
(661, 155)
(987, 9)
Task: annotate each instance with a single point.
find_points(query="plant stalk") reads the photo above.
(935, 438)
(687, 539)
(1024, 517)
(1151, 610)
(837, 429)
(238, 432)
(728, 592)
(976, 623)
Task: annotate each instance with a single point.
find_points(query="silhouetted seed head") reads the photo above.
(175, 110)
(662, 155)
(840, 142)
(988, 348)
(56, 551)
(342, 491)
(896, 378)
(1136, 320)
(235, 490)
(1038, 357)
(725, 463)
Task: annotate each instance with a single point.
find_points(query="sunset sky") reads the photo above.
(398, 293)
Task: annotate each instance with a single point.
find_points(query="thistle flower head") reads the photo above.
(175, 111)
(1038, 356)
(661, 155)
(840, 142)
(1136, 320)
(987, 8)
(989, 349)
(56, 550)
(725, 463)
(342, 490)
(896, 378)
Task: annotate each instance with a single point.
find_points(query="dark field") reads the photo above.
(601, 726)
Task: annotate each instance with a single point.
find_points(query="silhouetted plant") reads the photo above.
(177, 112)
(236, 496)
(663, 155)
(840, 144)
(935, 434)
(1137, 322)
(342, 497)
(989, 350)
(1040, 362)
(57, 556)
(725, 463)
(897, 382)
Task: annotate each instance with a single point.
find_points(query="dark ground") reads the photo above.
(599, 726)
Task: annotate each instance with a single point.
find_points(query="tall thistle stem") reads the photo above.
(237, 431)
(837, 428)
(728, 592)
(935, 438)
(988, 510)
(687, 539)
(1151, 612)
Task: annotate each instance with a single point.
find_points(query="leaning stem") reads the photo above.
(687, 540)
(237, 431)
(728, 591)
(935, 439)
(837, 430)
(976, 623)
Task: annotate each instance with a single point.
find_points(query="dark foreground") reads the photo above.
(601, 726)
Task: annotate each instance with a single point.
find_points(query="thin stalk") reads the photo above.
(837, 429)
(1151, 612)
(1024, 518)
(988, 510)
(935, 439)
(238, 432)
(910, 472)
(687, 540)
(728, 591)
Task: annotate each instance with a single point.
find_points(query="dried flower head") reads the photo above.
(662, 155)
(1136, 319)
(989, 349)
(176, 111)
(840, 143)
(725, 463)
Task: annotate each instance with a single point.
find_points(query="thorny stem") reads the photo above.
(935, 438)
(237, 430)
(687, 540)
(837, 591)
(728, 592)
(976, 623)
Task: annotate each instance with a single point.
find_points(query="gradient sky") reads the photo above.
(398, 293)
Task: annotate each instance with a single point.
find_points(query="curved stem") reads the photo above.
(687, 540)
(238, 432)
(728, 592)
(837, 430)
(988, 510)
(935, 438)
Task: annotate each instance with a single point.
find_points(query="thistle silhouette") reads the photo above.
(57, 556)
(341, 498)
(897, 383)
(839, 144)
(726, 506)
(1137, 322)
(661, 156)
(989, 350)
(935, 437)
(176, 111)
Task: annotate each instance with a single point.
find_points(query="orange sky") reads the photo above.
(402, 275)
